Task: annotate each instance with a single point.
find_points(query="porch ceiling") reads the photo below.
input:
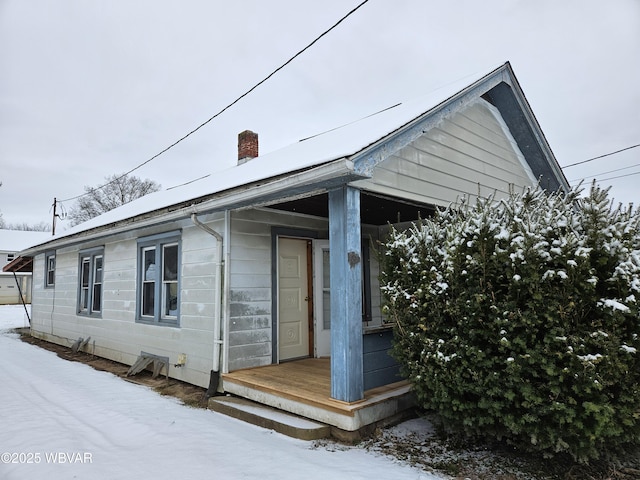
(374, 209)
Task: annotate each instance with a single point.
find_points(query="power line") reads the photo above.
(619, 176)
(608, 171)
(601, 156)
(228, 106)
(189, 182)
(608, 178)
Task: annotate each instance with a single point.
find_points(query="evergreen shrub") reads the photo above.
(518, 319)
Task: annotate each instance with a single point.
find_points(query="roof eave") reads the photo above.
(320, 178)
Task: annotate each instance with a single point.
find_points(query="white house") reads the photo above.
(227, 279)
(15, 287)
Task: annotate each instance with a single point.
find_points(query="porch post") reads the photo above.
(346, 294)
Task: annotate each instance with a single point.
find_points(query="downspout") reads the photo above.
(226, 292)
(15, 277)
(217, 342)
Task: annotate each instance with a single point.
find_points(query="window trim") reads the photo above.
(49, 256)
(158, 244)
(367, 314)
(90, 257)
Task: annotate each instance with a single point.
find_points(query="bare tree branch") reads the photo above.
(118, 191)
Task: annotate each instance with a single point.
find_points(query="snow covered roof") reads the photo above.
(338, 146)
(17, 240)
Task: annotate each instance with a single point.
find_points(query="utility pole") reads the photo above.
(55, 215)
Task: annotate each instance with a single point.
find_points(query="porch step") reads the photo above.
(268, 417)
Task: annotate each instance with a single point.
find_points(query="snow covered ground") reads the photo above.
(65, 420)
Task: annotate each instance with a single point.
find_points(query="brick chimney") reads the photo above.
(247, 146)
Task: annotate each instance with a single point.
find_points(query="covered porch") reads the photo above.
(355, 347)
(303, 387)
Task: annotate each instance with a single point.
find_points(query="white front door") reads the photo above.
(322, 298)
(293, 299)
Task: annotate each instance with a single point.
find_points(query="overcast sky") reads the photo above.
(90, 88)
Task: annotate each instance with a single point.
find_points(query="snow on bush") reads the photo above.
(518, 319)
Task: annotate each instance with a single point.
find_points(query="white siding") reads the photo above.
(250, 329)
(472, 153)
(4, 257)
(42, 298)
(116, 335)
(9, 291)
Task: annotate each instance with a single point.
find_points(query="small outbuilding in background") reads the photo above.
(16, 283)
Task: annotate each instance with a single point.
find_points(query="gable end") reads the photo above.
(541, 162)
(501, 89)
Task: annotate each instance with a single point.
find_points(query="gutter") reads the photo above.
(217, 342)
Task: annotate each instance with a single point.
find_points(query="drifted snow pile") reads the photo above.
(518, 319)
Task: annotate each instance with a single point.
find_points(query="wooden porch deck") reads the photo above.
(304, 387)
